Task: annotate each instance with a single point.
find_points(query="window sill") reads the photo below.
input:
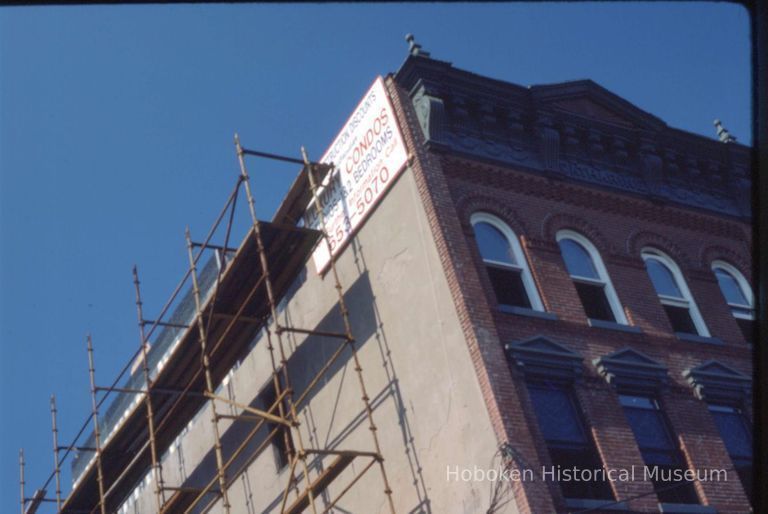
(686, 508)
(611, 325)
(522, 311)
(601, 505)
(683, 336)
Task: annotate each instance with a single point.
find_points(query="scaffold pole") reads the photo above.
(215, 329)
(220, 470)
(157, 469)
(347, 325)
(96, 429)
(56, 467)
(21, 478)
(301, 454)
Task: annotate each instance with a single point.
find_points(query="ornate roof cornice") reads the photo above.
(576, 131)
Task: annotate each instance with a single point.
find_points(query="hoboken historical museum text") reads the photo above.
(456, 473)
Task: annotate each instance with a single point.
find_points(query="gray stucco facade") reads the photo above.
(428, 405)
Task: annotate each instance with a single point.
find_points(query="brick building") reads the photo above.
(556, 280)
(620, 324)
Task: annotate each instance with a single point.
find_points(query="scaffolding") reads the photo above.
(229, 302)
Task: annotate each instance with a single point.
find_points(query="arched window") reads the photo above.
(674, 295)
(590, 278)
(505, 263)
(738, 294)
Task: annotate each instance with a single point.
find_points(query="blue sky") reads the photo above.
(116, 127)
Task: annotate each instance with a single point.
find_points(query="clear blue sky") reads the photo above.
(116, 127)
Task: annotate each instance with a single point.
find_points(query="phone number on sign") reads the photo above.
(341, 224)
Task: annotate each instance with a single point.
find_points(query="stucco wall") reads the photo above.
(427, 402)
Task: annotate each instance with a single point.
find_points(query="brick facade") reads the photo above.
(536, 207)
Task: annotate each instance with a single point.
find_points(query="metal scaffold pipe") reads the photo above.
(96, 429)
(56, 467)
(347, 325)
(157, 469)
(220, 470)
(263, 261)
(21, 478)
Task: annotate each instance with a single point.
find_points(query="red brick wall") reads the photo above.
(615, 441)
(619, 226)
(501, 392)
(703, 449)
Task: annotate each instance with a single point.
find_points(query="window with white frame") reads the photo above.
(673, 292)
(738, 294)
(505, 263)
(590, 277)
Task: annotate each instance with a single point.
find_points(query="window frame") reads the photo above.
(743, 284)
(605, 279)
(588, 448)
(675, 453)
(686, 301)
(739, 462)
(517, 250)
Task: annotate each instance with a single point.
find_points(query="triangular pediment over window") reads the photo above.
(631, 370)
(716, 382)
(542, 357)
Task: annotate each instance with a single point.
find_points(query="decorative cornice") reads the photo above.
(715, 382)
(576, 131)
(630, 370)
(540, 357)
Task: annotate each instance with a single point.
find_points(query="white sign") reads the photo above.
(368, 155)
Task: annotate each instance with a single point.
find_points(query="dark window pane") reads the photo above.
(595, 303)
(282, 443)
(660, 452)
(734, 432)
(649, 428)
(744, 470)
(747, 327)
(567, 442)
(680, 319)
(557, 415)
(493, 244)
(508, 286)
(577, 259)
(669, 488)
(737, 439)
(662, 278)
(659, 457)
(581, 459)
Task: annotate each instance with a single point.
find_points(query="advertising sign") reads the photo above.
(368, 155)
